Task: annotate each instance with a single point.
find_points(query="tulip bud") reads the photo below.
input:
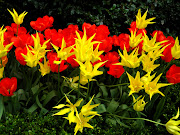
(139, 103)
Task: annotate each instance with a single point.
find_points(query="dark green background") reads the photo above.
(116, 14)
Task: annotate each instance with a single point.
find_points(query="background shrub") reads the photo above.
(117, 15)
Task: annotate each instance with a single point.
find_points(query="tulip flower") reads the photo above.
(173, 74)
(63, 53)
(131, 60)
(141, 22)
(86, 109)
(83, 48)
(135, 83)
(44, 68)
(147, 78)
(71, 109)
(172, 126)
(116, 70)
(134, 39)
(139, 104)
(4, 49)
(175, 50)
(1, 72)
(18, 19)
(81, 122)
(148, 63)
(152, 87)
(151, 44)
(71, 82)
(8, 86)
(90, 71)
(3, 61)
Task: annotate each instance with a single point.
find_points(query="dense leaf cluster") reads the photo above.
(117, 15)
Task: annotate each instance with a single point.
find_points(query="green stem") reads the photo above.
(58, 78)
(63, 97)
(17, 31)
(121, 117)
(167, 66)
(1, 106)
(88, 91)
(95, 97)
(115, 85)
(79, 84)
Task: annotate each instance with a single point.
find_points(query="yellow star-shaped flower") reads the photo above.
(141, 21)
(175, 50)
(135, 83)
(18, 19)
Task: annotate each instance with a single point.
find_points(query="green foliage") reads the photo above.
(28, 124)
(117, 15)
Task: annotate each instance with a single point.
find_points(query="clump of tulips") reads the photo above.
(135, 63)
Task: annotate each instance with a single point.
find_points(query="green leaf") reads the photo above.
(40, 105)
(104, 90)
(21, 94)
(121, 123)
(159, 108)
(111, 121)
(114, 92)
(101, 108)
(32, 108)
(123, 106)
(1, 107)
(35, 89)
(49, 97)
(113, 105)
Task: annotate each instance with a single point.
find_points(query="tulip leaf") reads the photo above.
(101, 108)
(104, 90)
(111, 121)
(114, 92)
(32, 108)
(159, 108)
(49, 97)
(40, 105)
(35, 89)
(21, 94)
(1, 107)
(121, 123)
(113, 105)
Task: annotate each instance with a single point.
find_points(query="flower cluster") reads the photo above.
(81, 119)
(91, 50)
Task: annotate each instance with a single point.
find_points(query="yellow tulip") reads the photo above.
(131, 60)
(139, 104)
(18, 19)
(172, 125)
(134, 39)
(83, 48)
(135, 83)
(1, 72)
(63, 53)
(175, 50)
(3, 48)
(152, 87)
(44, 68)
(88, 70)
(86, 109)
(71, 82)
(151, 44)
(148, 64)
(141, 22)
(70, 109)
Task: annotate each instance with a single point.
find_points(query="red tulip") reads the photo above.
(8, 86)
(116, 70)
(173, 74)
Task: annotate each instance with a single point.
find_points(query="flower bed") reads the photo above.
(88, 74)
